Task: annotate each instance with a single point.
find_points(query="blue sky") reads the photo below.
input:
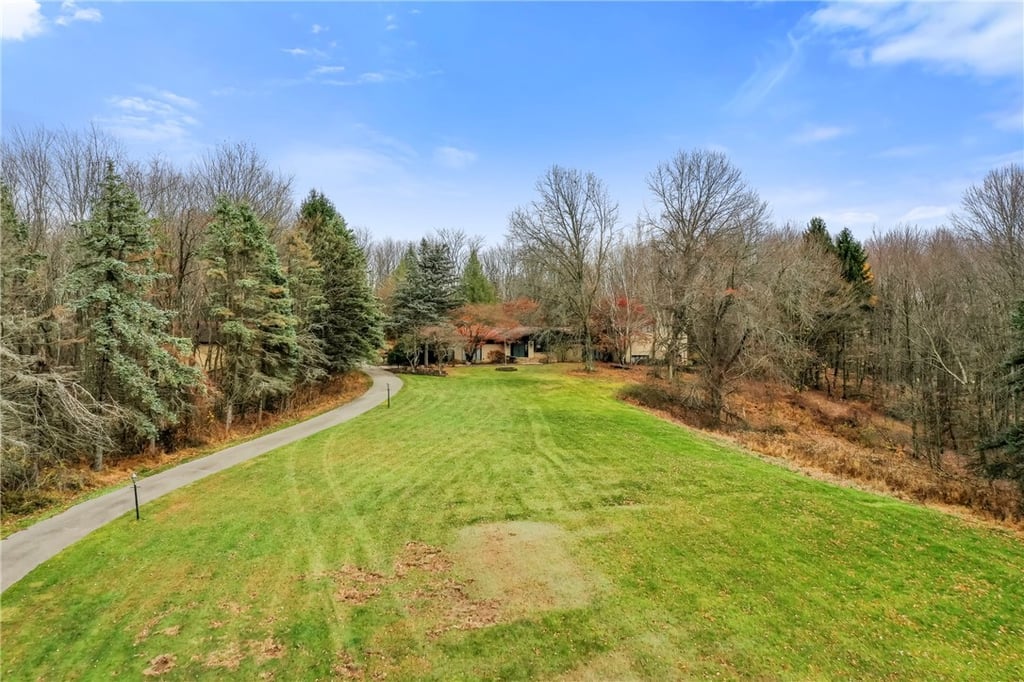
(416, 116)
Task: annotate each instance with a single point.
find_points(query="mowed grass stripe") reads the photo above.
(701, 561)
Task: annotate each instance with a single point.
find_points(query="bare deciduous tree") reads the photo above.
(701, 201)
(568, 230)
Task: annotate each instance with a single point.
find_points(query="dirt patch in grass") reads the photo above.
(494, 573)
(264, 650)
(230, 657)
(523, 565)
(422, 557)
(160, 665)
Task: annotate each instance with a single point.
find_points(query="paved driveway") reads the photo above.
(26, 549)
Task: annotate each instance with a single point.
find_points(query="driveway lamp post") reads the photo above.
(135, 486)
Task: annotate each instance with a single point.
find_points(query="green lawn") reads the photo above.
(521, 525)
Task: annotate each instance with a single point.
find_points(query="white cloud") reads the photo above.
(317, 28)
(376, 77)
(454, 158)
(320, 70)
(303, 52)
(391, 22)
(919, 213)
(814, 134)
(981, 38)
(767, 76)
(158, 118)
(853, 218)
(70, 12)
(1008, 119)
(21, 19)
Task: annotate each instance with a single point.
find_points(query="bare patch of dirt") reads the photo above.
(171, 631)
(494, 573)
(523, 565)
(160, 665)
(356, 586)
(421, 556)
(230, 657)
(447, 606)
(266, 649)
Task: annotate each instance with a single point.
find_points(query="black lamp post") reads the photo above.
(135, 486)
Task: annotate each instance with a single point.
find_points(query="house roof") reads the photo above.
(500, 334)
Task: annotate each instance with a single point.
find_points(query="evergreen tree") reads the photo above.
(475, 286)
(351, 323)
(129, 358)
(256, 346)
(306, 282)
(425, 295)
(817, 234)
(854, 264)
(21, 288)
(429, 290)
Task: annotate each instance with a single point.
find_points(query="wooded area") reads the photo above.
(140, 298)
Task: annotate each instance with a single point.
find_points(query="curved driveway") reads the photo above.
(26, 549)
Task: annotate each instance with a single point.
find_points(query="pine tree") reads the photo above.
(256, 347)
(817, 234)
(128, 357)
(306, 282)
(351, 323)
(475, 286)
(20, 285)
(854, 264)
(425, 295)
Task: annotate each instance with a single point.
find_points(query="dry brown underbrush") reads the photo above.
(847, 442)
(64, 484)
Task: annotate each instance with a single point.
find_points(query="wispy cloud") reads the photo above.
(304, 52)
(813, 134)
(919, 213)
(767, 76)
(163, 116)
(390, 22)
(318, 28)
(21, 19)
(971, 37)
(70, 12)
(851, 218)
(454, 158)
(377, 78)
(323, 70)
(1008, 119)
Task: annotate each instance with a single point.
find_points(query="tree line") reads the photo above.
(140, 298)
(140, 301)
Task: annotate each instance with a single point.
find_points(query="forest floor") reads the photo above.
(71, 484)
(521, 525)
